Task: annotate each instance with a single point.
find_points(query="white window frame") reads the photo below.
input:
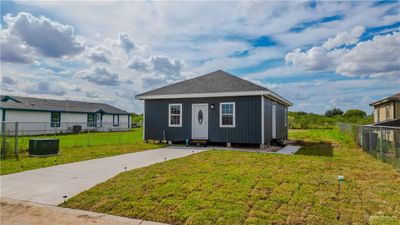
(233, 114)
(180, 115)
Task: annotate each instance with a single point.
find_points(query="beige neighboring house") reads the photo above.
(387, 109)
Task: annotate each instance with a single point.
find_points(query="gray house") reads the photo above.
(218, 108)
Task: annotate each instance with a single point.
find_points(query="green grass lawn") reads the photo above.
(74, 148)
(229, 187)
(82, 140)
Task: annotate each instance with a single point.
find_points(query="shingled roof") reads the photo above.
(218, 81)
(210, 85)
(395, 97)
(40, 104)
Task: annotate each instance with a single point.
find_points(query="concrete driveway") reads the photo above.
(50, 185)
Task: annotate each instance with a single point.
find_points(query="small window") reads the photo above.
(227, 114)
(55, 119)
(116, 120)
(175, 115)
(91, 120)
(286, 117)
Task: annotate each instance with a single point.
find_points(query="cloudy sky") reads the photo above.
(318, 55)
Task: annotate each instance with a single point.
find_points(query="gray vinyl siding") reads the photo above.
(281, 129)
(267, 120)
(247, 111)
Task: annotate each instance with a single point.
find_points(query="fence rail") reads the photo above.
(15, 136)
(379, 141)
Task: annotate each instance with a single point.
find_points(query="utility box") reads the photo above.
(76, 129)
(43, 146)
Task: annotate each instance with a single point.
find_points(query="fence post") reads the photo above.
(87, 128)
(16, 141)
(3, 144)
(119, 132)
(381, 143)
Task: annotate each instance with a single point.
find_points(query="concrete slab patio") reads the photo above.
(289, 150)
(52, 185)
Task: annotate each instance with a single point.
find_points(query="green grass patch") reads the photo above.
(83, 139)
(229, 187)
(75, 147)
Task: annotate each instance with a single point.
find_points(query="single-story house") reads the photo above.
(40, 116)
(217, 107)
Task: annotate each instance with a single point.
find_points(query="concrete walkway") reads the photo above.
(289, 150)
(52, 185)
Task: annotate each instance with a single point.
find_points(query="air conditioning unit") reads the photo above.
(43, 146)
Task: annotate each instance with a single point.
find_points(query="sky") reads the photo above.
(319, 55)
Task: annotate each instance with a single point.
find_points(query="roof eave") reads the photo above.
(268, 94)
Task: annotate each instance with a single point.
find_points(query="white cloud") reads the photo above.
(126, 42)
(48, 37)
(377, 57)
(101, 76)
(13, 50)
(97, 55)
(344, 38)
(45, 88)
(315, 59)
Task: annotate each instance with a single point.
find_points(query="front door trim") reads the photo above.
(194, 119)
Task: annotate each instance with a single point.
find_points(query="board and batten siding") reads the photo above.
(281, 129)
(247, 120)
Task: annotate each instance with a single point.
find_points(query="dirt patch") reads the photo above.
(14, 212)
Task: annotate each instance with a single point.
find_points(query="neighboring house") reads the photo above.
(217, 107)
(387, 109)
(37, 116)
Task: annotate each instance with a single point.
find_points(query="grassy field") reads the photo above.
(74, 147)
(229, 187)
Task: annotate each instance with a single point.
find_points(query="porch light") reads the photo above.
(212, 106)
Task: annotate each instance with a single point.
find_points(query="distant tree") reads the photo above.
(333, 112)
(301, 113)
(355, 113)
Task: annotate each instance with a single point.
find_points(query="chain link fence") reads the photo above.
(15, 136)
(381, 142)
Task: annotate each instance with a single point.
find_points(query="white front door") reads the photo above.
(273, 121)
(200, 121)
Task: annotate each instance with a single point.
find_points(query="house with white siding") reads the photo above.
(40, 116)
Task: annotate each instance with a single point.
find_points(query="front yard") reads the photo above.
(229, 187)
